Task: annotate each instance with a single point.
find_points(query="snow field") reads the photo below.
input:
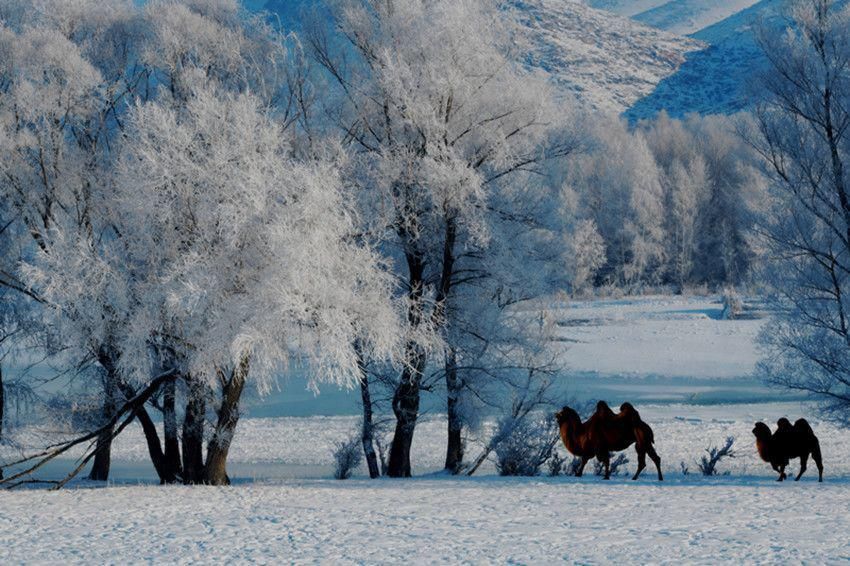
(468, 521)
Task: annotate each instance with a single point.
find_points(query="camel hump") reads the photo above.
(602, 408)
(628, 408)
(630, 414)
(784, 424)
(802, 426)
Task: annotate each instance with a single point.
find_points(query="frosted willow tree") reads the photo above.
(684, 180)
(617, 185)
(447, 127)
(735, 190)
(249, 255)
(804, 127)
(240, 254)
(66, 71)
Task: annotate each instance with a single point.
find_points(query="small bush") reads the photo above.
(573, 467)
(685, 470)
(615, 463)
(347, 456)
(524, 446)
(733, 304)
(708, 463)
(556, 465)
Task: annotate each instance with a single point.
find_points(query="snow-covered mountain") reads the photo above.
(690, 16)
(607, 61)
(714, 79)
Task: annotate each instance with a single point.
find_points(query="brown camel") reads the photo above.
(606, 432)
(788, 442)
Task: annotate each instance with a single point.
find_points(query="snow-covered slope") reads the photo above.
(715, 79)
(625, 7)
(689, 16)
(605, 60)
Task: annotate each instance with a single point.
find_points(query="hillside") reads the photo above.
(606, 60)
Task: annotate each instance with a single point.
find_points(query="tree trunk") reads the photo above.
(151, 436)
(193, 432)
(368, 429)
(171, 458)
(454, 447)
(406, 395)
(103, 455)
(406, 409)
(215, 472)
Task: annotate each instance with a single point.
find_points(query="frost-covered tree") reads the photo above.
(617, 185)
(65, 73)
(447, 127)
(711, 188)
(585, 255)
(725, 250)
(804, 133)
(245, 256)
(684, 180)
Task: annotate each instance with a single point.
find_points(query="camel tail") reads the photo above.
(648, 434)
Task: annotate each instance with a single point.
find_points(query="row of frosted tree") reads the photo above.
(194, 201)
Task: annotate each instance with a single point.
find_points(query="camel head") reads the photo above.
(784, 424)
(761, 431)
(567, 415)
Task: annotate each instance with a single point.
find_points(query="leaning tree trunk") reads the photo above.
(215, 471)
(151, 436)
(103, 452)
(171, 458)
(193, 432)
(368, 427)
(454, 447)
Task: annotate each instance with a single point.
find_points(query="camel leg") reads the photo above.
(580, 471)
(803, 461)
(817, 458)
(641, 463)
(605, 458)
(781, 471)
(656, 459)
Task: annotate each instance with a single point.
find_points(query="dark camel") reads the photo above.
(606, 432)
(788, 442)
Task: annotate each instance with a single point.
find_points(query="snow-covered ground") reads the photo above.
(479, 521)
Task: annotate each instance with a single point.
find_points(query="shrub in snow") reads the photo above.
(614, 465)
(525, 446)
(733, 304)
(708, 463)
(556, 464)
(685, 469)
(573, 467)
(347, 456)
